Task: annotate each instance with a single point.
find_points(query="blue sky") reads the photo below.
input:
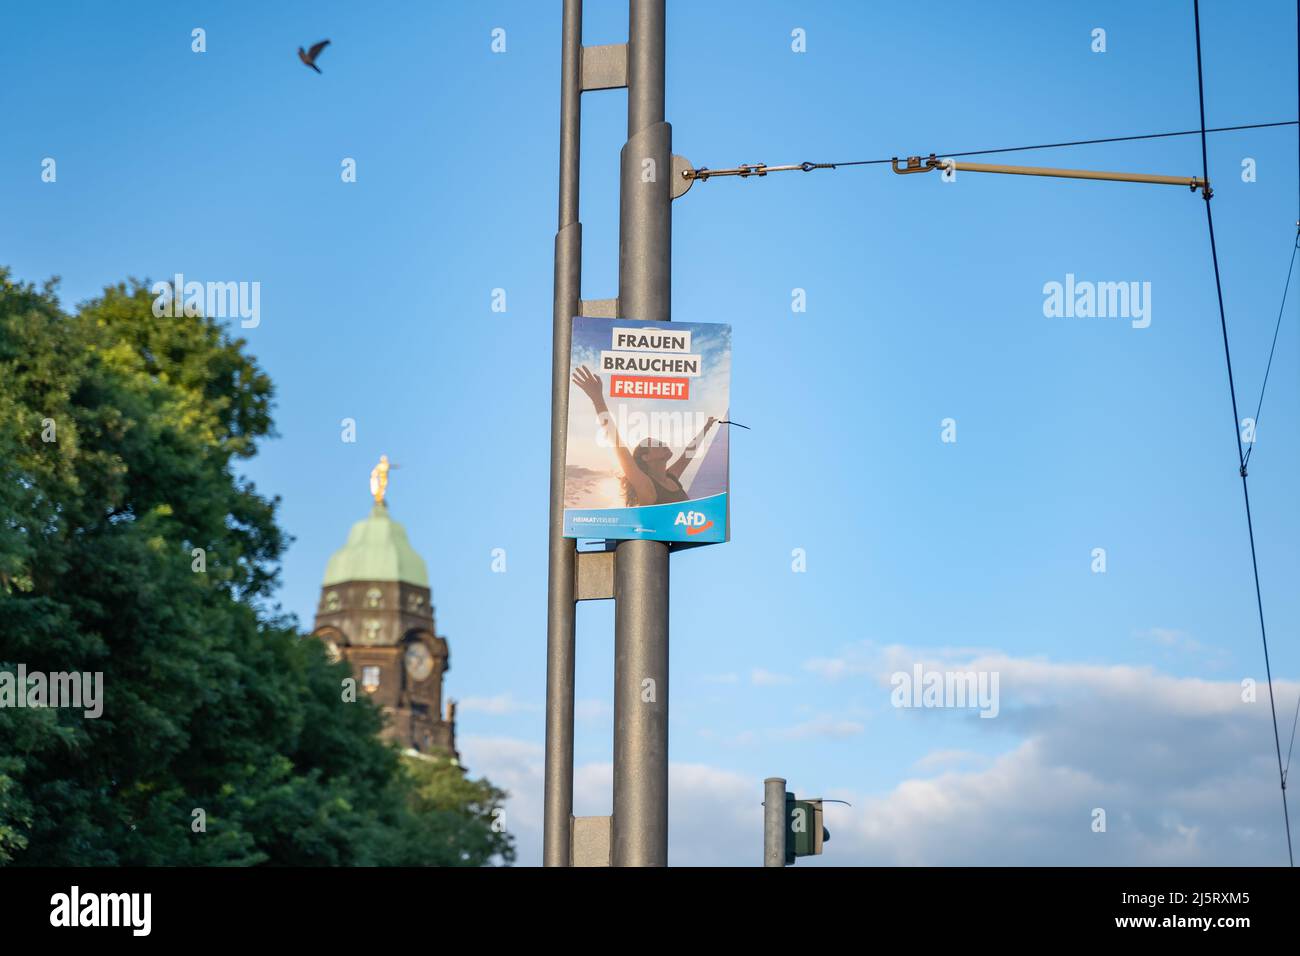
(924, 302)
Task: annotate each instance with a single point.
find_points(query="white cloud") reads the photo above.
(865, 658)
(1169, 637)
(833, 668)
(822, 726)
(949, 758)
(761, 678)
(745, 738)
(1175, 643)
(516, 767)
(497, 706)
(1184, 769)
(716, 815)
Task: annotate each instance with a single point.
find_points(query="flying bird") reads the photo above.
(309, 56)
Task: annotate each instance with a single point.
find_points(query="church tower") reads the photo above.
(376, 613)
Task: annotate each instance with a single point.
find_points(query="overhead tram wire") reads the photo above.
(761, 169)
(1082, 142)
(1236, 424)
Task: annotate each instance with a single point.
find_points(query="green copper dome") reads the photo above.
(377, 550)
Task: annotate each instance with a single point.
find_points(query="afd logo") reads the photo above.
(695, 521)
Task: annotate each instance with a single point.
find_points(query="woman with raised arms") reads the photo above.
(648, 478)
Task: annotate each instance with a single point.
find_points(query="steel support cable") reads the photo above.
(1273, 348)
(1085, 142)
(762, 169)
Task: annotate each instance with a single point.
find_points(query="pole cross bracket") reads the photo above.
(604, 67)
(595, 578)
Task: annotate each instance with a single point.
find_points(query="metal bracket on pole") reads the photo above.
(591, 841)
(595, 578)
(604, 67)
(682, 178)
(598, 308)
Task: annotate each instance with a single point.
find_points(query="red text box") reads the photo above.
(640, 386)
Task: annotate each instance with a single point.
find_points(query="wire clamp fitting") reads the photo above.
(914, 164)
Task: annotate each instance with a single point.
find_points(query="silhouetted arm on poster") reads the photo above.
(688, 453)
(591, 386)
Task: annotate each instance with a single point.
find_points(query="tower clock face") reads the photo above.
(419, 662)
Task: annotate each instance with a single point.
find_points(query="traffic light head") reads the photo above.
(804, 833)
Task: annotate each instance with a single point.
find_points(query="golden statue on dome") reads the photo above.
(379, 479)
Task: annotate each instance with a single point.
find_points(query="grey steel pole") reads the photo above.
(562, 556)
(640, 825)
(774, 821)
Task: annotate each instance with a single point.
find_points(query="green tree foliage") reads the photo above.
(461, 817)
(118, 436)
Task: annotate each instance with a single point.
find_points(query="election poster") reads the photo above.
(647, 452)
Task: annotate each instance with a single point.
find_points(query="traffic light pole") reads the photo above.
(774, 821)
(640, 824)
